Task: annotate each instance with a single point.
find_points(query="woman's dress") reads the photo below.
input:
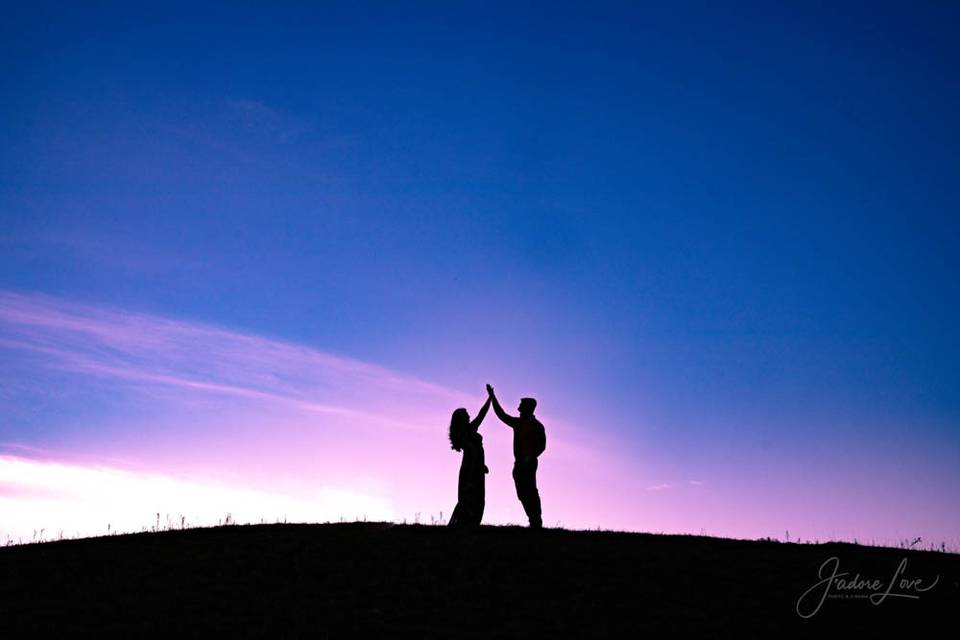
(471, 491)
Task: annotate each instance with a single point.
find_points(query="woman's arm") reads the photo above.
(480, 415)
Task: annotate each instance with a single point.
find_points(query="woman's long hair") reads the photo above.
(459, 422)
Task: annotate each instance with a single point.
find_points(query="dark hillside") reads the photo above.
(333, 580)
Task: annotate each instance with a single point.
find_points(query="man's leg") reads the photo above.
(533, 497)
(525, 480)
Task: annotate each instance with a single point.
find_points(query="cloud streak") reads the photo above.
(660, 487)
(205, 359)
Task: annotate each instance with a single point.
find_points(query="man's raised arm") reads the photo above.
(507, 419)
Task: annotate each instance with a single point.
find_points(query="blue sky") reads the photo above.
(720, 240)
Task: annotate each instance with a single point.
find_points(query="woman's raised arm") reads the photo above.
(480, 415)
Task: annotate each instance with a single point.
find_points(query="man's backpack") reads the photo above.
(539, 439)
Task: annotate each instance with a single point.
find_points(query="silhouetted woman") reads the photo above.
(471, 492)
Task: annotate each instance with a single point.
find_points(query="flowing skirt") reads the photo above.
(471, 496)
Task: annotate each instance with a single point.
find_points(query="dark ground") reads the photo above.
(373, 579)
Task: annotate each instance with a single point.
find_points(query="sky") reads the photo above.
(252, 258)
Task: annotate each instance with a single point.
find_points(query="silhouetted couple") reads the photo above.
(529, 441)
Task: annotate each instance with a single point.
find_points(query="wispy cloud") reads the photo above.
(660, 487)
(246, 131)
(257, 117)
(203, 359)
(666, 486)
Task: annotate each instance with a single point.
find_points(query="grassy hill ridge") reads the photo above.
(374, 578)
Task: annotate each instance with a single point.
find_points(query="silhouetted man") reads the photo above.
(529, 441)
